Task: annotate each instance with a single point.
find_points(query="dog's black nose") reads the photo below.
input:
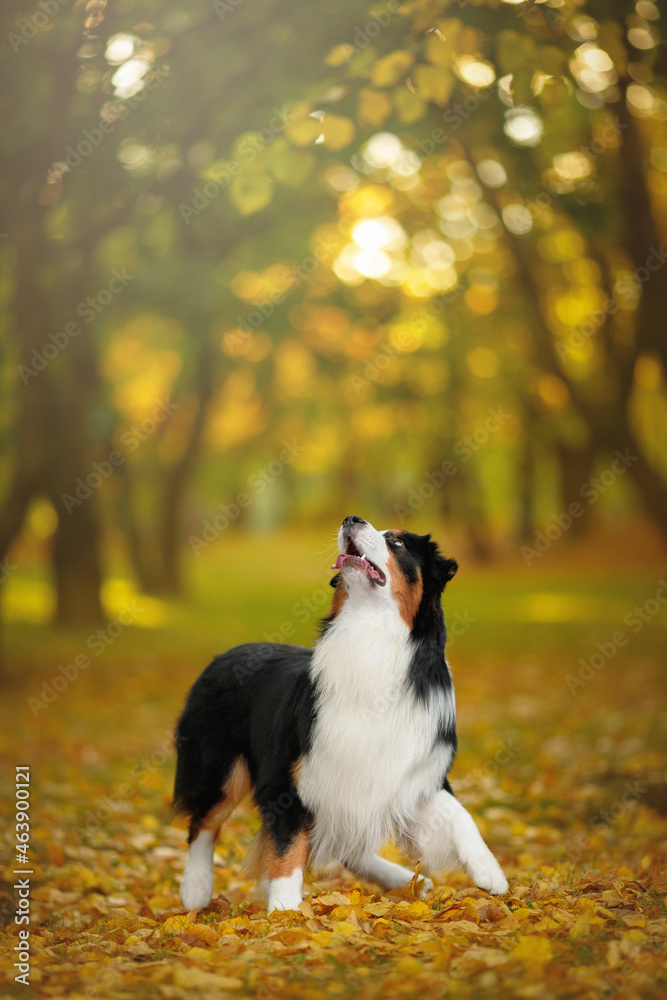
(353, 519)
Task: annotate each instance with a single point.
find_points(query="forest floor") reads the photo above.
(562, 764)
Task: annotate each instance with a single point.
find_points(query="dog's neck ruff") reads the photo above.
(374, 755)
(364, 650)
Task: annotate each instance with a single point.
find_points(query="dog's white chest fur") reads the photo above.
(374, 759)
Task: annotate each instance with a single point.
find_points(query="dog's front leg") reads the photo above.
(447, 837)
(386, 873)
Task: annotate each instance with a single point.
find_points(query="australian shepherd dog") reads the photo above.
(342, 746)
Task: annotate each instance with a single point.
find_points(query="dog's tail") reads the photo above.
(188, 782)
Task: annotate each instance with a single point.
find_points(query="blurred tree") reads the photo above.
(558, 110)
(113, 107)
(408, 238)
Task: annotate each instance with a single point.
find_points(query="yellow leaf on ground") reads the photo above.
(332, 899)
(417, 911)
(581, 928)
(378, 909)
(485, 956)
(342, 927)
(161, 902)
(408, 967)
(532, 949)
(175, 925)
(191, 978)
(204, 932)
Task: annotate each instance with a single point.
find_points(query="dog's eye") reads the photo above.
(396, 543)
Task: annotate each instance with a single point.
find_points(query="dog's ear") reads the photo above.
(443, 569)
(447, 569)
(335, 580)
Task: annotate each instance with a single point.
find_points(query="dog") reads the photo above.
(342, 746)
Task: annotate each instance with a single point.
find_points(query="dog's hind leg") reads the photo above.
(279, 855)
(279, 868)
(197, 885)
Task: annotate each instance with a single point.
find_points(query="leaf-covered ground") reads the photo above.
(566, 785)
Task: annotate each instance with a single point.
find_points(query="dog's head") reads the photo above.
(389, 566)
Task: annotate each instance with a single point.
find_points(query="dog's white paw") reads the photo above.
(196, 889)
(285, 892)
(487, 874)
(284, 902)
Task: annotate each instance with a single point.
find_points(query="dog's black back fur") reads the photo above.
(260, 696)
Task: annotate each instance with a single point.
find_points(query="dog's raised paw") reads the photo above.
(488, 875)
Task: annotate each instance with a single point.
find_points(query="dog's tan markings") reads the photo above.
(296, 771)
(296, 856)
(263, 861)
(339, 599)
(236, 787)
(407, 595)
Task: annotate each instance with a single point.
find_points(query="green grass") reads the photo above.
(247, 588)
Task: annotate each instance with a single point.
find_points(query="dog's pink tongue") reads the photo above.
(339, 561)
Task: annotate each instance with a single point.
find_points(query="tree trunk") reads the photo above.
(143, 550)
(525, 477)
(53, 449)
(650, 485)
(179, 476)
(76, 566)
(576, 468)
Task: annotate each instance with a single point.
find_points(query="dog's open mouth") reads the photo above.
(353, 557)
